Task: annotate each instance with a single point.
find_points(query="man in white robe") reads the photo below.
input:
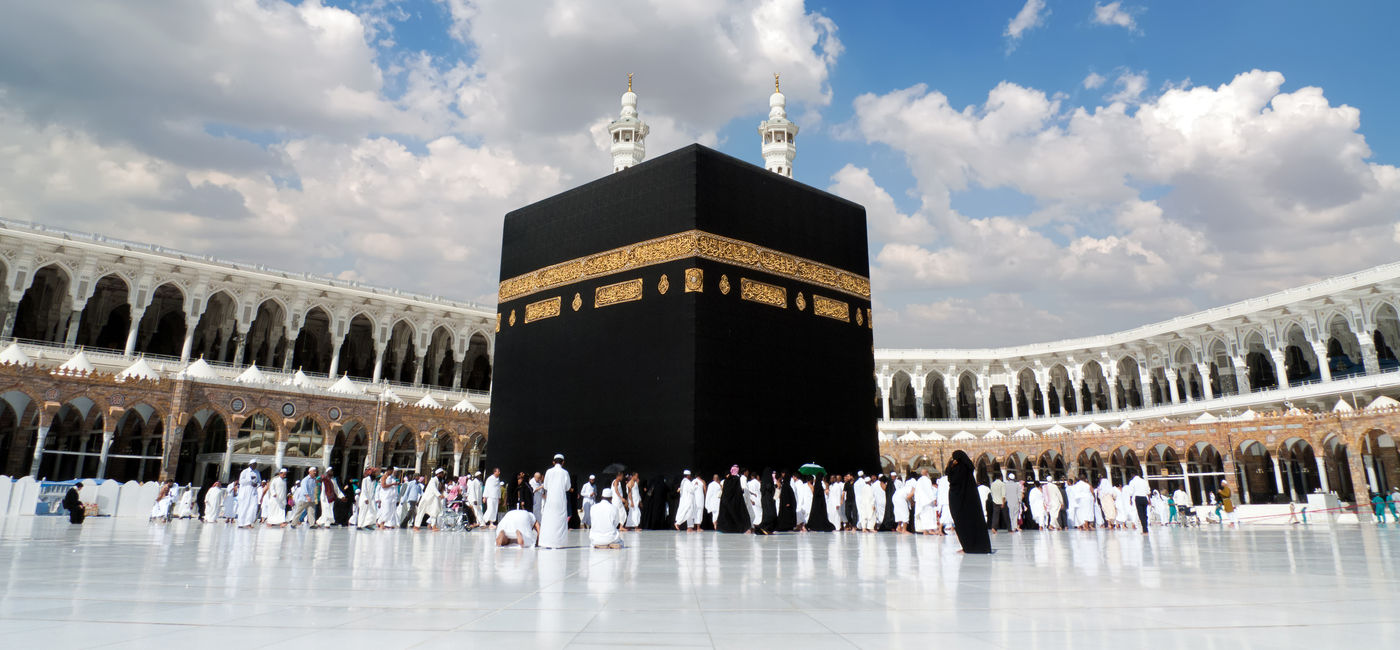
(248, 482)
(366, 515)
(903, 493)
(712, 492)
(588, 497)
(330, 493)
(537, 496)
(697, 497)
(1035, 502)
(1081, 503)
(945, 514)
(213, 503)
(754, 494)
(473, 498)
(185, 504)
(834, 511)
(603, 533)
(491, 494)
(1054, 505)
(865, 504)
(802, 493)
(925, 495)
(518, 527)
(686, 504)
(554, 519)
(275, 500)
(430, 504)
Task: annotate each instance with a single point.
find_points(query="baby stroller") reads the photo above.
(455, 516)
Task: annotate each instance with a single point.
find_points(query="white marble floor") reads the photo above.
(124, 583)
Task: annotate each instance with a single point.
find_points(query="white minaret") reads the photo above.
(629, 134)
(779, 134)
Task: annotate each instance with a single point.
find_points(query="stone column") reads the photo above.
(984, 397)
(1280, 367)
(326, 451)
(225, 468)
(108, 435)
(1320, 351)
(952, 390)
(1368, 353)
(70, 338)
(456, 463)
(422, 370)
(1113, 385)
(1321, 473)
(335, 360)
(240, 341)
(457, 361)
(884, 399)
(45, 421)
(418, 462)
(132, 331)
(1042, 382)
(1145, 387)
(10, 319)
(188, 347)
(378, 364)
(1015, 393)
(1359, 482)
(1278, 475)
(916, 382)
(1241, 375)
(1206, 390)
(281, 454)
(1169, 375)
(293, 332)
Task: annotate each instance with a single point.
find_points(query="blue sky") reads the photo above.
(1032, 169)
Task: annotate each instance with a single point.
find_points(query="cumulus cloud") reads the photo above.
(1130, 87)
(1192, 198)
(1031, 15)
(1115, 15)
(298, 135)
(1094, 80)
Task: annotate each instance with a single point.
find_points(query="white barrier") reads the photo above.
(20, 497)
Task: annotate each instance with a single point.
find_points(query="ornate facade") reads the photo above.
(135, 362)
(1327, 348)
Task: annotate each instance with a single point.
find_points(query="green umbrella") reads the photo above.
(811, 469)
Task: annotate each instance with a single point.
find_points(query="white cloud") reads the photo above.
(1094, 80)
(1031, 15)
(885, 221)
(1115, 15)
(289, 134)
(1130, 87)
(1192, 198)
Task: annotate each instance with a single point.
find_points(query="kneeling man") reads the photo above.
(604, 533)
(518, 526)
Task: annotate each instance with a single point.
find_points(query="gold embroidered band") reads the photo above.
(693, 243)
(615, 293)
(548, 308)
(824, 306)
(763, 293)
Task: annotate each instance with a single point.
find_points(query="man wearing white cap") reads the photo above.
(491, 493)
(865, 504)
(248, 482)
(686, 506)
(275, 500)
(330, 493)
(554, 514)
(604, 533)
(697, 495)
(430, 504)
(587, 495)
(473, 497)
(306, 495)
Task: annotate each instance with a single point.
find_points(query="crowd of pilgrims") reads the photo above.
(742, 501)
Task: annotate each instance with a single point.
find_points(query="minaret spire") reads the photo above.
(628, 132)
(778, 134)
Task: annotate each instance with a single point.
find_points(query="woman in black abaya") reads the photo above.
(787, 505)
(766, 501)
(964, 504)
(817, 521)
(733, 510)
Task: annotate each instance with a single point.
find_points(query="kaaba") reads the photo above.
(691, 312)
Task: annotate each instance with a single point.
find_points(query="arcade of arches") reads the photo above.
(60, 427)
(170, 322)
(1274, 459)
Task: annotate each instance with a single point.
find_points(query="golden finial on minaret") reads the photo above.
(629, 82)
(776, 88)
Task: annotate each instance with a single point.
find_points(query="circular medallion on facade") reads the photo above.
(118, 399)
(236, 405)
(289, 409)
(801, 302)
(664, 285)
(335, 413)
(724, 284)
(578, 302)
(1180, 443)
(51, 394)
(1141, 445)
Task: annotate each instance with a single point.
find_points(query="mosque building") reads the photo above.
(130, 361)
